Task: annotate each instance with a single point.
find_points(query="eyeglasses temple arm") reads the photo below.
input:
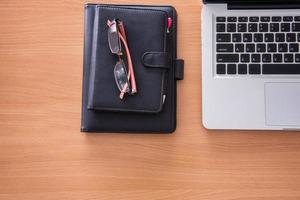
(130, 66)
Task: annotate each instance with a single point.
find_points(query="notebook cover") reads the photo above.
(106, 121)
(146, 31)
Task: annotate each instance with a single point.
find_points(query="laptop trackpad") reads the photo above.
(282, 104)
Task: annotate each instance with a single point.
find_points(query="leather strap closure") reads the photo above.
(156, 60)
(179, 69)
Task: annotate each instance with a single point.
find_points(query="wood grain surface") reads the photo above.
(43, 155)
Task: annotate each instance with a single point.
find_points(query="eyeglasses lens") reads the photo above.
(121, 77)
(113, 38)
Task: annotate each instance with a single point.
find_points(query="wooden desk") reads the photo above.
(44, 156)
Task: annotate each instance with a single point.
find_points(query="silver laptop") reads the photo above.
(251, 64)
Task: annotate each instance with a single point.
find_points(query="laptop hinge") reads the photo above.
(261, 5)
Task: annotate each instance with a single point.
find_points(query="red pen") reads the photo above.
(169, 24)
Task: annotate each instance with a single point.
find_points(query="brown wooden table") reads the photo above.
(44, 156)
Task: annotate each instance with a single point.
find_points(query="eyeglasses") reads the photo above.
(116, 37)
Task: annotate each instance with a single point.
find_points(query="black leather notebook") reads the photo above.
(151, 37)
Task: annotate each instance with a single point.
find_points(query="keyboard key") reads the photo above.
(250, 47)
(274, 27)
(227, 58)
(221, 69)
(282, 47)
(288, 58)
(245, 58)
(277, 58)
(255, 58)
(296, 27)
(252, 27)
(247, 37)
(236, 37)
(272, 47)
(254, 69)
(224, 47)
(242, 27)
(254, 19)
(264, 19)
(294, 47)
(297, 57)
(297, 18)
(243, 19)
(220, 27)
(281, 69)
(231, 69)
(269, 37)
(291, 37)
(239, 48)
(242, 69)
(279, 37)
(285, 27)
(287, 18)
(258, 37)
(223, 37)
(298, 36)
(263, 27)
(231, 19)
(276, 19)
(266, 58)
(231, 27)
(261, 47)
(221, 19)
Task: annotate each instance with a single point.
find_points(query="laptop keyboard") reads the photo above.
(257, 45)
